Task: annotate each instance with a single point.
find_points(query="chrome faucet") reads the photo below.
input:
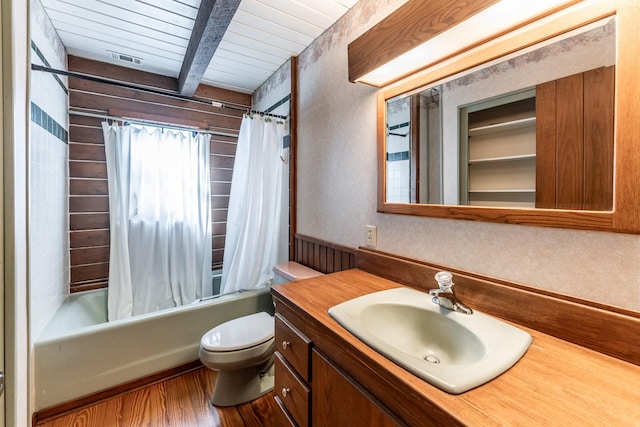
(445, 297)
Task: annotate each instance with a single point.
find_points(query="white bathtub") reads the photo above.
(80, 353)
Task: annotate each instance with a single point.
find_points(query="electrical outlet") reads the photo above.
(372, 236)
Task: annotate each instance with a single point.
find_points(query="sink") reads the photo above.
(452, 351)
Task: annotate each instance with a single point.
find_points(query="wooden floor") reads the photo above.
(179, 402)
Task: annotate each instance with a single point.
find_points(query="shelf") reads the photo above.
(504, 126)
(503, 159)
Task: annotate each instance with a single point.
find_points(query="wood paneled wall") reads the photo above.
(88, 190)
(323, 256)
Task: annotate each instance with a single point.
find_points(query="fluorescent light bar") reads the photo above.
(495, 19)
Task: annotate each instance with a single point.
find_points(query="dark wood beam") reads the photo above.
(211, 23)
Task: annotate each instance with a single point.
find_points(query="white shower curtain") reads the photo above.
(159, 205)
(253, 219)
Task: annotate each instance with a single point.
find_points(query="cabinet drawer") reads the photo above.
(294, 347)
(293, 393)
(281, 416)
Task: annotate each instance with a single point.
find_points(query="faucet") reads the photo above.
(445, 297)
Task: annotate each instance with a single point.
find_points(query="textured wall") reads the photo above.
(337, 192)
(48, 177)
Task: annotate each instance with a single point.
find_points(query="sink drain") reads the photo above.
(431, 359)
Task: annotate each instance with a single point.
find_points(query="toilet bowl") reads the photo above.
(241, 350)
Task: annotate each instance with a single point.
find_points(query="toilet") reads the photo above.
(241, 350)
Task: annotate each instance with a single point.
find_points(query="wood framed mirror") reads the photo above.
(622, 214)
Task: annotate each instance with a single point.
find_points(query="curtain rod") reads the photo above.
(95, 79)
(151, 122)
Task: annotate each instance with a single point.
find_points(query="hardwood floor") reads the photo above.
(182, 401)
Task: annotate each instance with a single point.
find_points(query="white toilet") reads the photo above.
(241, 350)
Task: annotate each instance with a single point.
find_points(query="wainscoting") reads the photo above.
(88, 193)
(323, 256)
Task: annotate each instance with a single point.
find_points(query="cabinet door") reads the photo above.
(338, 400)
(575, 144)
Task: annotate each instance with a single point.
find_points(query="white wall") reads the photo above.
(48, 176)
(337, 190)
(15, 356)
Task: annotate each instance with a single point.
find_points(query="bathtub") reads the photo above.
(79, 352)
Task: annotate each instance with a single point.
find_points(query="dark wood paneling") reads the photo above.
(223, 175)
(88, 221)
(227, 148)
(82, 256)
(222, 162)
(217, 257)
(221, 188)
(87, 152)
(89, 273)
(88, 170)
(323, 256)
(218, 241)
(88, 204)
(575, 141)
(219, 228)
(88, 188)
(219, 215)
(88, 239)
(84, 134)
(570, 164)
(546, 145)
(100, 102)
(599, 88)
(219, 201)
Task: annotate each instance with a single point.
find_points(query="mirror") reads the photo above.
(437, 190)
(482, 137)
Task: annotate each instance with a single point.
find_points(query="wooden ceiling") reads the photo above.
(261, 36)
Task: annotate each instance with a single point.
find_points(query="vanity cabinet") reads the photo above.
(292, 372)
(339, 400)
(312, 391)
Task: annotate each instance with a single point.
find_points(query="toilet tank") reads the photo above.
(290, 271)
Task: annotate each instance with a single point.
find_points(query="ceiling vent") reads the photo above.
(124, 58)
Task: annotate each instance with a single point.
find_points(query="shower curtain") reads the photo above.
(253, 219)
(159, 206)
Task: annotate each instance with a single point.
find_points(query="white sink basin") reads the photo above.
(453, 351)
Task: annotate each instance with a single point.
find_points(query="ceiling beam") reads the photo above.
(211, 23)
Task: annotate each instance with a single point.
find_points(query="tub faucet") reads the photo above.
(445, 297)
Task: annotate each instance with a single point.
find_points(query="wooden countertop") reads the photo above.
(555, 383)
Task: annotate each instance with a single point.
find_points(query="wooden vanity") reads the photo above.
(327, 377)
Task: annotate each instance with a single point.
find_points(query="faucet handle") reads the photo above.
(445, 280)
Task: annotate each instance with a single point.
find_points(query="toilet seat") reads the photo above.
(238, 334)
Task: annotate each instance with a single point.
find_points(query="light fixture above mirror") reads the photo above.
(420, 34)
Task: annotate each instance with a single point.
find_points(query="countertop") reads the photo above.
(555, 382)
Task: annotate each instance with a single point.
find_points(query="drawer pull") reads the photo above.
(285, 391)
(286, 345)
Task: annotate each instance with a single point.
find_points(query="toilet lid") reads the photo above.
(236, 334)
